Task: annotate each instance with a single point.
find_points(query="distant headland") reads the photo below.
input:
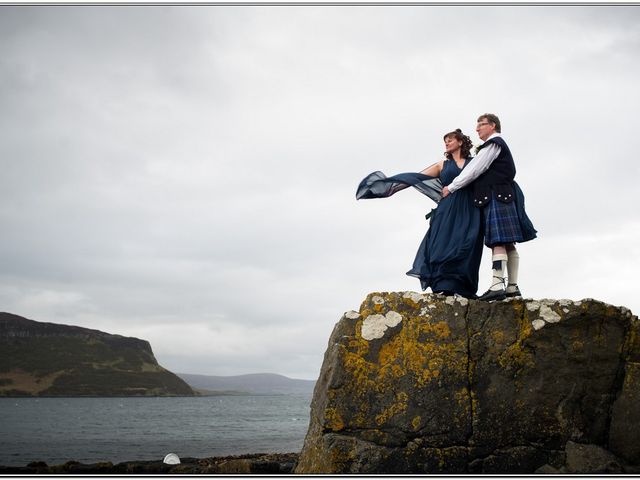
(51, 360)
(48, 359)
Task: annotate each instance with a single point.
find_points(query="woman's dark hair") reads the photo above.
(465, 150)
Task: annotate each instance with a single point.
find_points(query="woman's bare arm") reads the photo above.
(434, 170)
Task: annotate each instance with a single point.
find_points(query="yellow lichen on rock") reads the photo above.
(389, 358)
(362, 371)
(415, 422)
(439, 330)
(516, 357)
(498, 336)
(422, 351)
(417, 350)
(400, 406)
(333, 420)
(415, 354)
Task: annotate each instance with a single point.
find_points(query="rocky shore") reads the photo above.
(258, 463)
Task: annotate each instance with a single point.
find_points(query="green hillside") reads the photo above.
(47, 359)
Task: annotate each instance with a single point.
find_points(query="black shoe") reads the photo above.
(492, 295)
(515, 293)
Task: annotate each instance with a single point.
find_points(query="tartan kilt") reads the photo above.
(506, 222)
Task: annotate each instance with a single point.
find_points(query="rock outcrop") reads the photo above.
(422, 383)
(48, 359)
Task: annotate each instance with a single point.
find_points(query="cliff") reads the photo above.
(47, 359)
(422, 383)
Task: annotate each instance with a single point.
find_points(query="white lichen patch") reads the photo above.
(378, 300)
(450, 300)
(545, 312)
(548, 315)
(538, 324)
(462, 300)
(533, 306)
(393, 318)
(375, 325)
(415, 297)
(352, 314)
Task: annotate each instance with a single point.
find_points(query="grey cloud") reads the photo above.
(177, 170)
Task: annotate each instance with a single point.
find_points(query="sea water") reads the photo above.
(90, 430)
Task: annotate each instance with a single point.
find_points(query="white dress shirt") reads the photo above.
(477, 166)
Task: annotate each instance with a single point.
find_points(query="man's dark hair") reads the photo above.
(491, 118)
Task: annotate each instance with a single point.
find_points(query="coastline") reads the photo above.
(256, 463)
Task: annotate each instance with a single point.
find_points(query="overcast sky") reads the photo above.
(187, 175)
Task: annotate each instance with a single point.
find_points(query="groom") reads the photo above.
(492, 172)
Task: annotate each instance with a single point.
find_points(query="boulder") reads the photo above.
(590, 459)
(423, 383)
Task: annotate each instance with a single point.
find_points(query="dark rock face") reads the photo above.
(49, 359)
(418, 383)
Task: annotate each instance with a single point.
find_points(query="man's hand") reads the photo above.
(445, 192)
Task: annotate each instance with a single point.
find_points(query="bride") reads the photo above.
(448, 259)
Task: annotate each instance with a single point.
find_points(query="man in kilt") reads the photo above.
(505, 221)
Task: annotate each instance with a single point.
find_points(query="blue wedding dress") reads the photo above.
(448, 258)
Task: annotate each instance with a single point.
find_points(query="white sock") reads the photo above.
(513, 262)
(497, 273)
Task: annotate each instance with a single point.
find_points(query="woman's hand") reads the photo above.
(445, 192)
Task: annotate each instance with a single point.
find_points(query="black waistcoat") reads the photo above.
(498, 178)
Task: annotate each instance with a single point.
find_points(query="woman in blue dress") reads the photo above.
(448, 259)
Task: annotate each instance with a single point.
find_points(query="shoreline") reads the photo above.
(253, 463)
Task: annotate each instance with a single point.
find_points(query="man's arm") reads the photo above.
(475, 168)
